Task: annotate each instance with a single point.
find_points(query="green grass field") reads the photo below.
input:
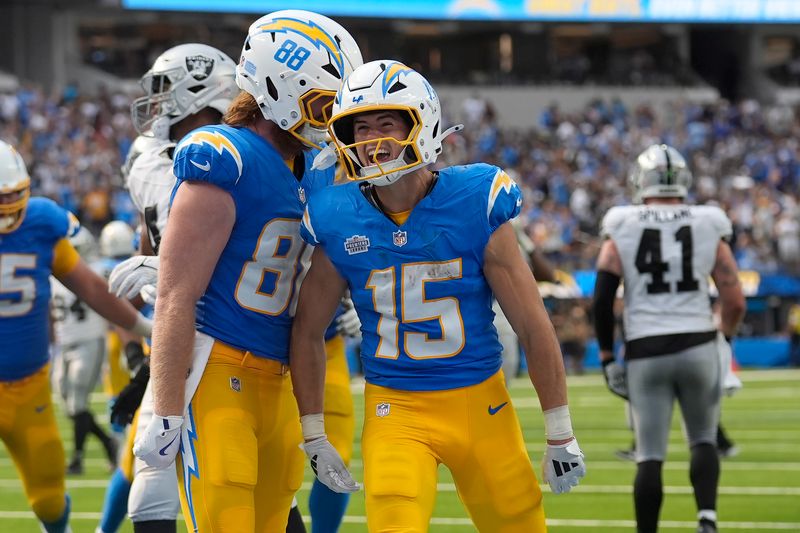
(760, 488)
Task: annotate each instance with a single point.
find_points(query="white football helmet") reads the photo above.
(182, 81)
(292, 63)
(659, 172)
(116, 240)
(390, 85)
(15, 188)
(85, 243)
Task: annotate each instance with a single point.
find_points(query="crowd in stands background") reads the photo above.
(572, 167)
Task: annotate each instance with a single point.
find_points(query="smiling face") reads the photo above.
(383, 126)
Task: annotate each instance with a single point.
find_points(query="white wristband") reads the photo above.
(143, 326)
(313, 426)
(557, 423)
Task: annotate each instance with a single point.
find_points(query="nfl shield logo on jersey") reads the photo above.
(236, 384)
(199, 66)
(301, 192)
(382, 409)
(399, 238)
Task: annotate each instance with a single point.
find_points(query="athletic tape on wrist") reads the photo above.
(557, 423)
(313, 426)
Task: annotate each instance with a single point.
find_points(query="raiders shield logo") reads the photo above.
(199, 67)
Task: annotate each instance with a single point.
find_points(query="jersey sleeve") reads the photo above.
(209, 154)
(505, 199)
(65, 257)
(721, 223)
(307, 231)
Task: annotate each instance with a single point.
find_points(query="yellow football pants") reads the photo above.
(28, 429)
(115, 376)
(127, 458)
(474, 431)
(240, 463)
(339, 410)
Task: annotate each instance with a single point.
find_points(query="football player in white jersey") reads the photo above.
(188, 86)
(664, 251)
(80, 333)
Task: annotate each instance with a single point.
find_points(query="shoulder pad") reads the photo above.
(718, 219)
(613, 219)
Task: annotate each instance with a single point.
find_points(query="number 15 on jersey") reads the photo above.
(416, 307)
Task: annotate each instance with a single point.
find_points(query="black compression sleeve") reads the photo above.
(605, 290)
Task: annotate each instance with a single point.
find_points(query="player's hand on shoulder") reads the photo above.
(160, 441)
(130, 276)
(616, 378)
(563, 466)
(328, 466)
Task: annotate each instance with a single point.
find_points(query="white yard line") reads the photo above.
(551, 522)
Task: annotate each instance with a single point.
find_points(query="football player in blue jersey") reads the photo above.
(232, 252)
(34, 243)
(422, 253)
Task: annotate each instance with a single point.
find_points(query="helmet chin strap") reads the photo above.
(449, 131)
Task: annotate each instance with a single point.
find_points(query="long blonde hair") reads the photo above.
(243, 111)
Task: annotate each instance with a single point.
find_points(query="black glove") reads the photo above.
(134, 356)
(130, 398)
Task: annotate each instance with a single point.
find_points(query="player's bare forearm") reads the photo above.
(731, 297)
(201, 220)
(319, 297)
(171, 356)
(93, 290)
(307, 364)
(516, 292)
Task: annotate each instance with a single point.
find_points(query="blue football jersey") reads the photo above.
(419, 289)
(26, 262)
(250, 299)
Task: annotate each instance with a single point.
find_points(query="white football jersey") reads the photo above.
(150, 183)
(667, 253)
(73, 320)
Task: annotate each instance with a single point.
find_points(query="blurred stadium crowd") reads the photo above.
(572, 167)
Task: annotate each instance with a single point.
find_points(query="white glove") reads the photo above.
(328, 466)
(730, 381)
(563, 466)
(159, 443)
(148, 294)
(128, 277)
(348, 323)
(615, 378)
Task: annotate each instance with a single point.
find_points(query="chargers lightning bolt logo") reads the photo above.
(190, 468)
(219, 142)
(318, 37)
(392, 74)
